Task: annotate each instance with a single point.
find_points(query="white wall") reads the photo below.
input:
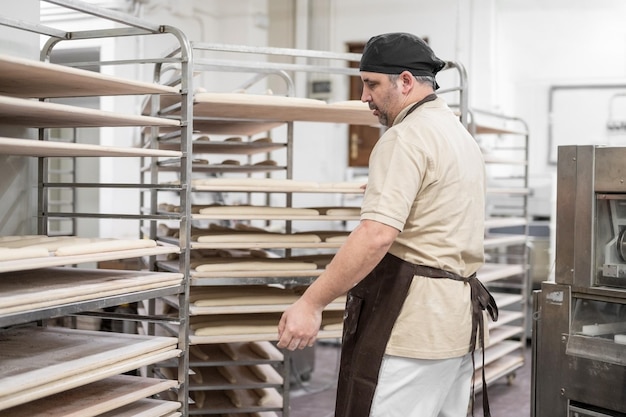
(538, 47)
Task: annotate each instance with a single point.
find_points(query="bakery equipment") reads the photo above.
(579, 335)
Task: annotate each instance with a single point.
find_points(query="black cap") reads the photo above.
(392, 53)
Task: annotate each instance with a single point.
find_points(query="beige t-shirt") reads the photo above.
(427, 179)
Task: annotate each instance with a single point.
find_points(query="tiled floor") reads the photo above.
(316, 397)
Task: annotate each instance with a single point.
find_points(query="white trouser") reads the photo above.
(423, 388)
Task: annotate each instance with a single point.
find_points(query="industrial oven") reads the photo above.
(579, 340)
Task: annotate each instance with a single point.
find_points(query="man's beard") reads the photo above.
(383, 118)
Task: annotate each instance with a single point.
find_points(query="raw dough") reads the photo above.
(266, 139)
(334, 326)
(198, 397)
(227, 373)
(8, 254)
(234, 324)
(233, 397)
(263, 237)
(229, 351)
(336, 239)
(262, 264)
(339, 211)
(260, 372)
(33, 241)
(195, 375)
(260, 350)
(267, 162)
(198, 352)
(234, 328)
(242, 296)
(105, 246)
(259, 210)
(265, 396)
(230, 162)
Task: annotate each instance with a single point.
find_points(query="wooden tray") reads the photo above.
(49, 261)
(97, 398)
(27, 147)
(36, 362)
(31, 113)
(28, 290)
(28, 78)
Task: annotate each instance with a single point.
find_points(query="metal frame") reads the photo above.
(130, 26)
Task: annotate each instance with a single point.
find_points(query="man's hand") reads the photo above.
(299, 325)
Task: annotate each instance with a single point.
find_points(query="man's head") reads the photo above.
(397, 69)
(393, 53)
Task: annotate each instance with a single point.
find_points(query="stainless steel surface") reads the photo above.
(580, 359)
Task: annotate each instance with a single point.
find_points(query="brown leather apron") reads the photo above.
(372, 308)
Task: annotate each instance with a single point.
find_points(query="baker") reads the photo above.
(415, 309)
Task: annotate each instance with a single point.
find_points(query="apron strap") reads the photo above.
(481, 300)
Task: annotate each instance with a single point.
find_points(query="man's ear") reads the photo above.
(407, 80)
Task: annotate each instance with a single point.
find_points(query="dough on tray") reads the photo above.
(12, 254)
(263, 237)
(259, 210)
(234, 324)
(241, 296)
(260, 264)
(105, 246)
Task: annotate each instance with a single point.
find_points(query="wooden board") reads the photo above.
(245, 327)
(276, 185)
(85, 378)
(280, 108)
(266, 245)
(28, 78)
(256, 274)
(260, 237)
(254, 337)
(25, 364)
(146, 408)
(26, 147)
(96, 398)
(219, 403)
(28, 290)
(32, 357)
(31, 113)
(36, 263)
(259, 308)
